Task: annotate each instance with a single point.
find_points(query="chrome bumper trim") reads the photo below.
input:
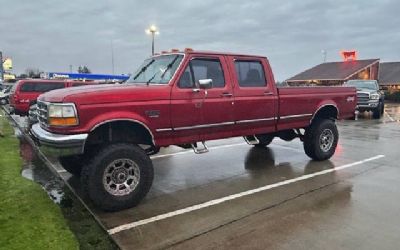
(58, 144)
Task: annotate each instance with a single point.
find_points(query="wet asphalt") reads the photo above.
(349, 202)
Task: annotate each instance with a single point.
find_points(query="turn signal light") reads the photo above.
(63, 121)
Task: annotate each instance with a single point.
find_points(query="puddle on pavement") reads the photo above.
(34, 169)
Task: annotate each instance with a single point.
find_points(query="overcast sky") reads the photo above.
(51, 35)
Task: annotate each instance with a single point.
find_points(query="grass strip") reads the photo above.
(28, 218)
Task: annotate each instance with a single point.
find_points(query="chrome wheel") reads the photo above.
(326, 140)
(121, 177)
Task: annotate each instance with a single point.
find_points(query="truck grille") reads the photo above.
(362, 98)
(42, 113)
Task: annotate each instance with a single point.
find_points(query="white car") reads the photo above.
(4, 94)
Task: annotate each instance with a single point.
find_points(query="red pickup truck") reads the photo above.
(106, 133)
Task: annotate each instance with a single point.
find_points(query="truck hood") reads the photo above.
(106, 93)
(365, 90)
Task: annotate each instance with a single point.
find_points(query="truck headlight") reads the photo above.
(374, 96)
(63, 114)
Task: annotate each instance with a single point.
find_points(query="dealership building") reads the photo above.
(336, 73)
(389, 75)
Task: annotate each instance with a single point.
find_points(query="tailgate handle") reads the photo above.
(226, 94)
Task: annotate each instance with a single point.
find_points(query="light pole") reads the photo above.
(152, 30)
(324, 52)
(1, 66)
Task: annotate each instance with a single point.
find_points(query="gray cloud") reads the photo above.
(51, 35)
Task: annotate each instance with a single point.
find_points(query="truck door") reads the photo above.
(199, 114)
(255, 96)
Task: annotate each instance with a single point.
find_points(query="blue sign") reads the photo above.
(87, 76)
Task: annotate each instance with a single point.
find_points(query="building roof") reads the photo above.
(389, 73)
(333, 70)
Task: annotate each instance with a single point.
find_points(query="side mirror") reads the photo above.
(205, 83)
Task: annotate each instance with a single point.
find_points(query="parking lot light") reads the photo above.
(152, 30)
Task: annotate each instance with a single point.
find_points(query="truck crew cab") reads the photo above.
(182, 98)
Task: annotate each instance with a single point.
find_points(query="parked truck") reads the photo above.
(106, 133)
(369, 97)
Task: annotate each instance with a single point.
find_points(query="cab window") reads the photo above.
(199, 69)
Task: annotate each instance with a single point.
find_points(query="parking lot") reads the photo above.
(241, 197)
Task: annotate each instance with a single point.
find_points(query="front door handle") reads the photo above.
(268, 93)
(226, 95)
(195, 90)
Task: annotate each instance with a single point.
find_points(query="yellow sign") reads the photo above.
(9, 76)
(7, 64)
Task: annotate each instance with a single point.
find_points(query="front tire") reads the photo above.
(377, 113)
(118, 177)
(320, 139)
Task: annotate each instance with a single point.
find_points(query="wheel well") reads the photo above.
(326, 112)
(119, 131)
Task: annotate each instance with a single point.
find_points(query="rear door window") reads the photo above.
(41, 86)
(250, 73)
(28, 87)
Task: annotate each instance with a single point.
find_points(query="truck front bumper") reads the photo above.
(368, 106)
(58, 144)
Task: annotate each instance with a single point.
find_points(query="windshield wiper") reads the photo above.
(165, 71)
(169, 66)
(151, 78)
(143, 69)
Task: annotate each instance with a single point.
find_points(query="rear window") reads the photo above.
(41, 86)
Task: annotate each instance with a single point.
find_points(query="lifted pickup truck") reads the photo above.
(106, 133)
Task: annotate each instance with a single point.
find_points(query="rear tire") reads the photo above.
(320, 139)
(118, 177)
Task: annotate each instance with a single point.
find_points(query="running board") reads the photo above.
(251, 140)
(202, 150)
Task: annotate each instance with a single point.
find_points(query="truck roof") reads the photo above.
(201, 52)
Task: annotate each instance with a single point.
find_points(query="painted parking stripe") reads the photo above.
(390, 117)
(234, 196)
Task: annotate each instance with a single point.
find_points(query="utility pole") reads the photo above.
(1, 67)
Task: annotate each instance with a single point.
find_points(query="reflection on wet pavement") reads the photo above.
(34, 169)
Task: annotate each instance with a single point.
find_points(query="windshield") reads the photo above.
(156, 70)
(362, 84)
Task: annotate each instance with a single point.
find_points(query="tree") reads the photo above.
(83, 69)
(23, 76)
(33, 72)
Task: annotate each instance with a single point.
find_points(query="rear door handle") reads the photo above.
(226, 95)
